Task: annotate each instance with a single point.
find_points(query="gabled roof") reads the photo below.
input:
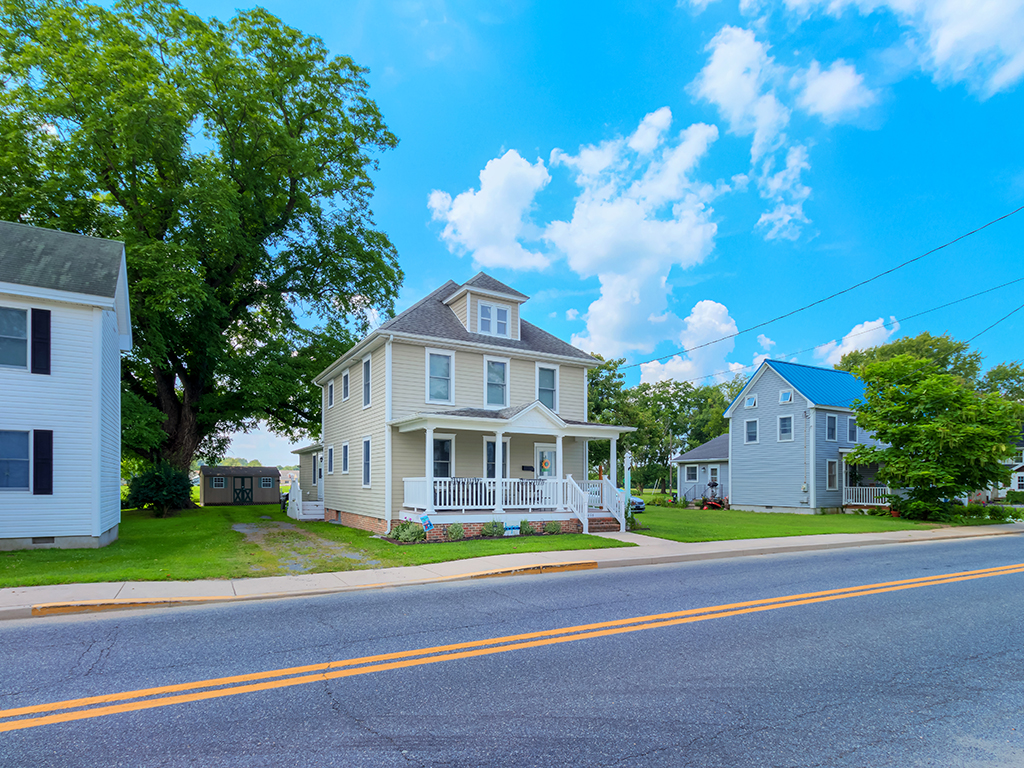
(486, 282)
(59, 261)
(715, 449)
(240, 471)
(822, 386)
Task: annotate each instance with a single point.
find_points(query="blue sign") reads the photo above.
(427, 525)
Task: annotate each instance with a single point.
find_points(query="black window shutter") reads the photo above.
(41, 341)
(42, 462)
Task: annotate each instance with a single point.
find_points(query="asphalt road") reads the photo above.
(927, 673)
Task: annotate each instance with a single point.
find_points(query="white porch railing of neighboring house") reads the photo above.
(477, 494)
(303, 510)
(602, 494)
(867, 497)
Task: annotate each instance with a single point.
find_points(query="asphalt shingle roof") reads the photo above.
(716, 448)
(822, 386)
(488, 283)
(54, 260)
(432, 317)
(239, 471)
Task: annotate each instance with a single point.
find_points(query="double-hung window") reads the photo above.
(491, 455)
(366, 381)
(496, 382)
(691, 474)
(366, 462)
(14, 460)
(750, 429)
(832, 476)
(443, 455)
(851, 429)
(547, 386)
(785, 429)
(14, 338)
(344, 386)
(330, 460)
(344, 458)
(440, 365)
(830, 427)
(330, 394)
(493, 319)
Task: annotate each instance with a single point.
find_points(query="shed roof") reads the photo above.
(309, 448)
(715, 449)
(220, 471)
(60, 261)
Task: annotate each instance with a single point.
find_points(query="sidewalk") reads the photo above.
(25, 602)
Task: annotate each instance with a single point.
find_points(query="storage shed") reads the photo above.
(237, 486)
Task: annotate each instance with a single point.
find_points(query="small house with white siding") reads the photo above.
(460, 411)
(64, 322)
(790, 431)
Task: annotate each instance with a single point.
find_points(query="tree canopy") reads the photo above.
(946, 353)
(941, 439)
(233, 159)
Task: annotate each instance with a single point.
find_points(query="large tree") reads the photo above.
(233, 160)
(941, 439)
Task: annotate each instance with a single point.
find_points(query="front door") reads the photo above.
(242, 487)
(319, 469)
(713, 478)
(546, 460)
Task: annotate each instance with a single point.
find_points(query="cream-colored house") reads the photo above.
(457, 410)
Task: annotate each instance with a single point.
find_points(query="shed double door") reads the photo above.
(242, 490)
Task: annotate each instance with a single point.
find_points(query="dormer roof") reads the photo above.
(483, 284)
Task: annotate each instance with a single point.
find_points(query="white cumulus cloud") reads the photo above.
(707, 322)
(787, 193)
(870, 333)
(489, 222)
(765, 342)
(834, 94)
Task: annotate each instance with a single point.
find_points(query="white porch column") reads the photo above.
(499, 490)
(428, 470)
(613, 473)
(559, 469)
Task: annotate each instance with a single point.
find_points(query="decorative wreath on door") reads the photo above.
(546, 464)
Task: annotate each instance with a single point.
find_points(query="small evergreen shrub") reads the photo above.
(525, 529)
(552, 526)
(407, 531)
(493, 528)
(1015, 497)
(161, 488)
(455, 532)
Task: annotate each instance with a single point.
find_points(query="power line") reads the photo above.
(832, 296)
(884, 325)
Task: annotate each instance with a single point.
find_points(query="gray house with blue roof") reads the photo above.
(790, 430)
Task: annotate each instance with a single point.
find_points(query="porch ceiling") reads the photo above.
(533, 419)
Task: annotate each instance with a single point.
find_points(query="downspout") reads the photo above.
(388, 381)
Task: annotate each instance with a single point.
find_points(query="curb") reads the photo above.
(39, 610)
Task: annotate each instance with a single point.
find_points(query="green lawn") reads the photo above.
(694, 524)
(200, 544)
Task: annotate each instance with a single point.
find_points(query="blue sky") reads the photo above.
(659, 175)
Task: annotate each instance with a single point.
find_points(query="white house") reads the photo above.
(64, 321)
(458, 410)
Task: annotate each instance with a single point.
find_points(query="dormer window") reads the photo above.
(493, 319)
(750, 402)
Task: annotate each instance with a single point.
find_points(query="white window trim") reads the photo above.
(751, 442)
(508, 381)
(346, 457)
(330, 459)
(835, 420)
(537, 448)
(445, 436)
(28, 347)
(330, 394)
(366, 463)
(785, 392)
(852, 420)
(829, 486)
(792, 428)
(450, 354)
(494, 319)
(346, 389)
(549, 366)
(223, 483)
(267, 486)
(686, 473)
(505, 453)
(367, 392)
(747, 403)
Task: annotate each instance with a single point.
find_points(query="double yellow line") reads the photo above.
(163, 696)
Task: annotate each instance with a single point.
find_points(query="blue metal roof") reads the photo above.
(822, 386)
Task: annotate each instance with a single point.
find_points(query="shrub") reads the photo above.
(684, 503)
(525, 529)
(161, 488)
(1001, 514)
(632, 524)
(552, 526)
(455, 532)
(492, 528)
(408, 531)
(1015, 497)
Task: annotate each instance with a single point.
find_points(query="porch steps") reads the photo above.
(602, 524)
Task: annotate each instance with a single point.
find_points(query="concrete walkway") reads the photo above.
(25, 602)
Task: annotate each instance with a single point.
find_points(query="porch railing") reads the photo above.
(577, 501)
(868, 497)
(479, 493)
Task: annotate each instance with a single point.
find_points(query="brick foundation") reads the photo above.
(473, 530)
(352, 520)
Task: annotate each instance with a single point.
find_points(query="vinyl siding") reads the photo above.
(65, 402)
(474, 313)
(827, 450)
(309, 491)
(349, 421)
(572, 390)
(461, 309)
(769, 473)
(110, 426)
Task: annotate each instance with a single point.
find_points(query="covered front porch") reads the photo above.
(542, 475)
(860, 486)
